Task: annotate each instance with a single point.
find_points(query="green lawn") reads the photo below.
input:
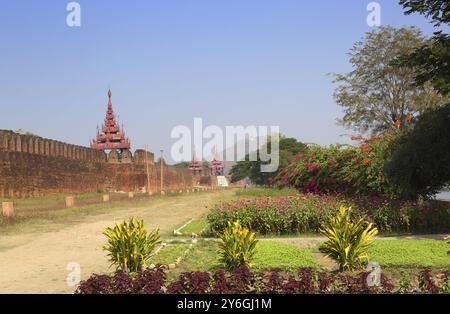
(195, 226)
(269, 254)
(202, 258)
(54, 202)
(169, 254)
(394, 254)
(411, 253)
(272, 254)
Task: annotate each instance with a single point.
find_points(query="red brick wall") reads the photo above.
(36, 166)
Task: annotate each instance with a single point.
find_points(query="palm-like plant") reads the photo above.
(129, 246)
(238, 247)
(348, 242)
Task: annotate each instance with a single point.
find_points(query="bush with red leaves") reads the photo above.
(243, 281)
(426, 282)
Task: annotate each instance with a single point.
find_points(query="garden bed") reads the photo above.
(269, 254)
(244, 281)
(411, 253)
(305, 213)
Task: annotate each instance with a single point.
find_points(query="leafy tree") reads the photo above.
(377, 94)
(288, 148)
(182, 164)
(420, 159)
(437, 10)
(431, 62)
(205, 166)
(22, 132)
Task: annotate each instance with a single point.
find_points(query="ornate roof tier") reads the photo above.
(111, 135)
(195, 164)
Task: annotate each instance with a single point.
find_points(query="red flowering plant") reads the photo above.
(365, 171)
(341, 168)
(317, 170)
(305, 214)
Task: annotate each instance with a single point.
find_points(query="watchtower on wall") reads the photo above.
(111, 138)
(195, 166)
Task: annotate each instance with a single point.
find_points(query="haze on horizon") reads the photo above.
(229, 62)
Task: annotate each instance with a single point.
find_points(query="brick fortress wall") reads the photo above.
(31, 165)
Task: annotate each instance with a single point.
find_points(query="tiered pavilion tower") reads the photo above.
(112, 137)
(195, 165)
(216, 166)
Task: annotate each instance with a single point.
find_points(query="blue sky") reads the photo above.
(231, 62)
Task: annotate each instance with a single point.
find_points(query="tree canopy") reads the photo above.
(288, 148)
(377, 94)
(420, 162)
(437, 10)
(432, 61)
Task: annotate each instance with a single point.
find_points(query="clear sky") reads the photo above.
(230, 62)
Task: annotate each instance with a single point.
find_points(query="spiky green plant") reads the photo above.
(129, 245)
(238, 246)
(348, 242)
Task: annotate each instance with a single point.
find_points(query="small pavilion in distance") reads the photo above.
(112, 137)
(216, 166)
(195, 166)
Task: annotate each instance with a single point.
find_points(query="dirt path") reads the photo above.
(36, 263)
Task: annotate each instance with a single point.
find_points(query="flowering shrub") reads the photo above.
(305, 213)
(341, 168)
(317, 169)
(243, 281)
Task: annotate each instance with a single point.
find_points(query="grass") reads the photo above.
(394, 254)
(57, 201)
(269, 255)
(267, 192)
(169, 254)
(195, 226)
(64, 215)
(37, 220)
(202, 258)
(411, 253)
